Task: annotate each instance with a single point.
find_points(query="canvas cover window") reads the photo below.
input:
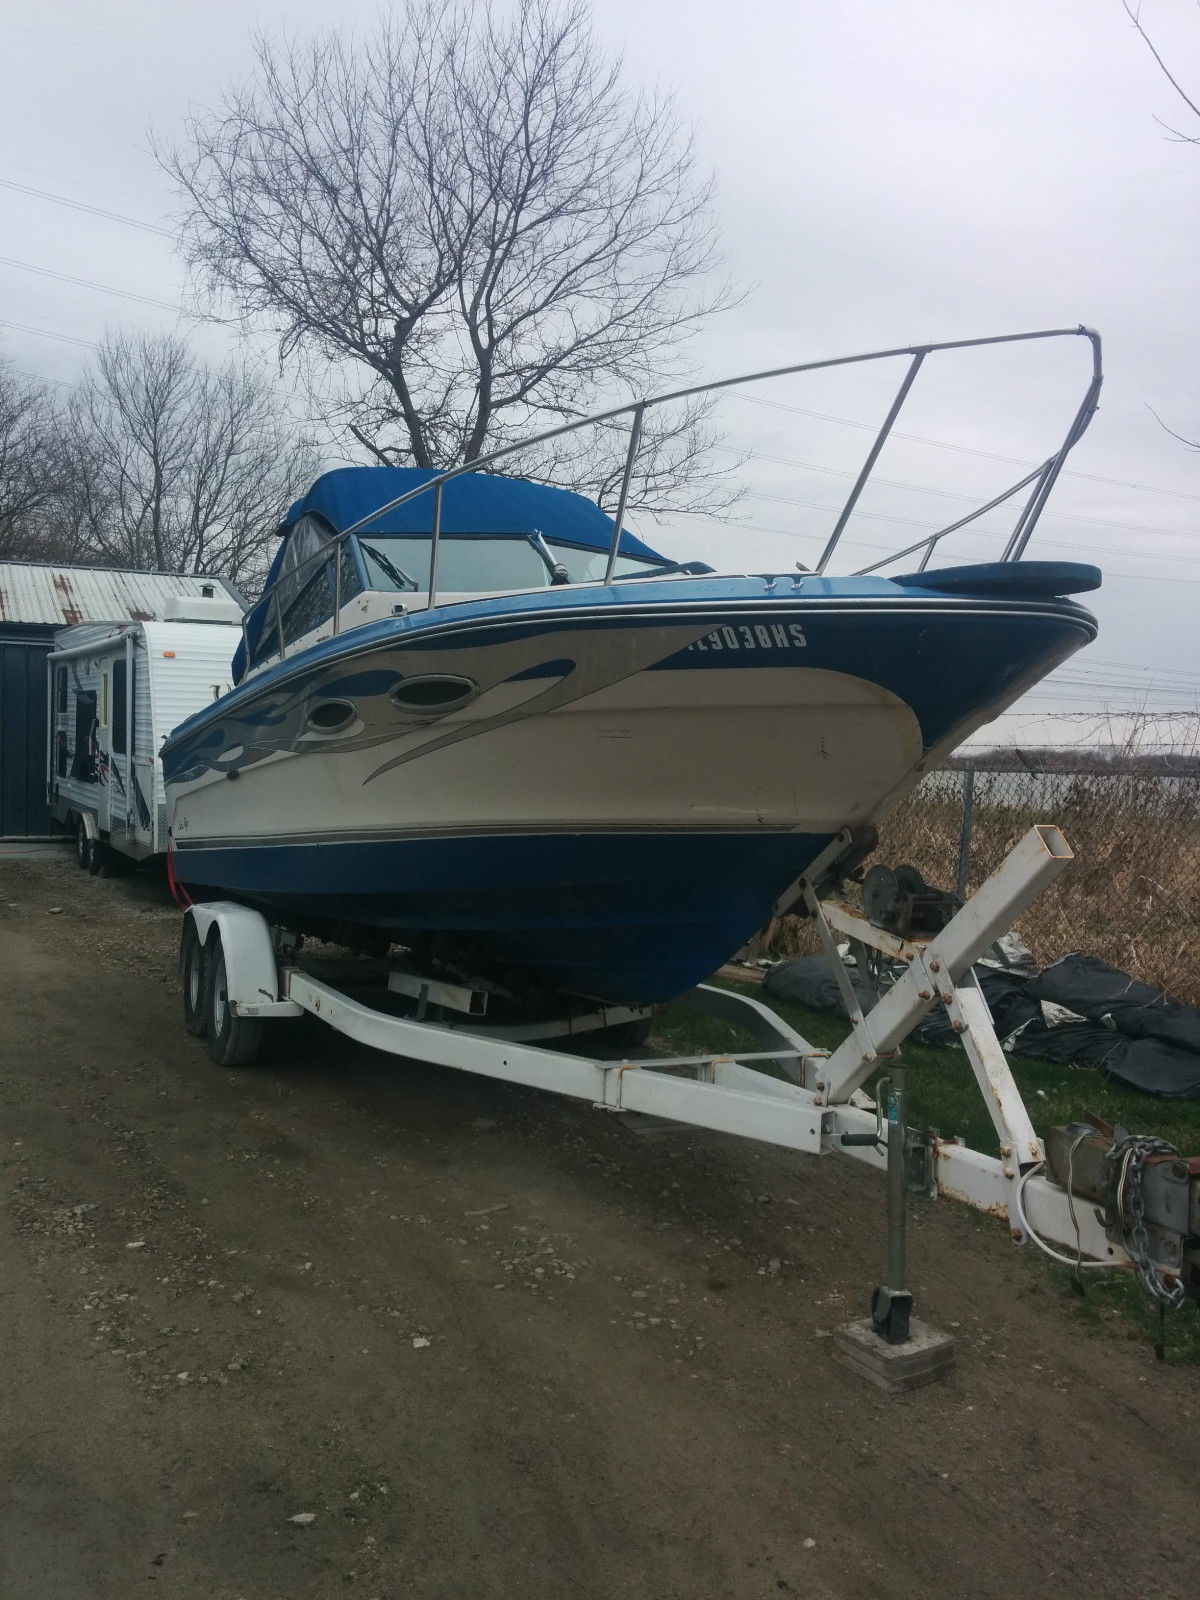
(299, 563)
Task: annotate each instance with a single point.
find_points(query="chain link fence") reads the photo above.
(1132, 894)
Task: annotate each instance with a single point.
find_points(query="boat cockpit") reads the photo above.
(364, 577)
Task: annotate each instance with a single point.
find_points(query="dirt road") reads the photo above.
(494, 1345)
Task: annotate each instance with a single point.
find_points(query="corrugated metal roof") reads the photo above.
(35, 593)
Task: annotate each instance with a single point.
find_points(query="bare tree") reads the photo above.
(474, 221)
(1134, 13)
(179, 466)
(31, 466)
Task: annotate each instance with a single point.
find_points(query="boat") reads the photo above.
(476, 716)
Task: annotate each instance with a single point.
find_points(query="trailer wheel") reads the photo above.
(233, 1041)
(83, 850)
(627, 1035)
(100, 861)
(194, 976)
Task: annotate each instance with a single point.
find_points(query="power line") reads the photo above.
(1137, 666)
(758, 400)
(880, 549)
(45, 333)
(954, 494)
(931, 527)
(960, 449)
(79, 205)
(1053, 716)
(101, 288)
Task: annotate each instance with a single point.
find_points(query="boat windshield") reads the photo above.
(482, 566)
(587, 566)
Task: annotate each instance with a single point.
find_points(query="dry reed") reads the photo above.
(1132, 895)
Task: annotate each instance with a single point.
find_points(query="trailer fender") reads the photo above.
(251, 970)
(91, 826)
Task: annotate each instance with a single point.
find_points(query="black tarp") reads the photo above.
(1089, 987)
(1122, 1026)
(1152, 1065)
(809, 981)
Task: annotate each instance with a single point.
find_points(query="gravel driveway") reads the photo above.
(340, 1325)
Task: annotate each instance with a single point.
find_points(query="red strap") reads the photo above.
(178, 893)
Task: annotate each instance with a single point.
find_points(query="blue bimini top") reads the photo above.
(477, 502)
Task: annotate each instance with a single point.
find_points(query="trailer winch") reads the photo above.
(1147, 1197)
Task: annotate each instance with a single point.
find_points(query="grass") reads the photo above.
(1131, 896)
(943, 1095)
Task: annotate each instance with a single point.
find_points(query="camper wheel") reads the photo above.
(83, 843)
(100, 859)
(233, 1041)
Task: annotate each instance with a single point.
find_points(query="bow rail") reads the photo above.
(1040, 481)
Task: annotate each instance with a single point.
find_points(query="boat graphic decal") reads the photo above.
(535, 670)
(517, 677)
(600, 669)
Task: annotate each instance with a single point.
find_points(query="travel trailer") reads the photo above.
(115, 693)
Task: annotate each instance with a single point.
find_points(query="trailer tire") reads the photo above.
(193, 975)
(233, 1041)
(83, 843)
(627, 1035)
(100, 861)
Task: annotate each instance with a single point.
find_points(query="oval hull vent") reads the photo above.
(433, 694)
(331, 716)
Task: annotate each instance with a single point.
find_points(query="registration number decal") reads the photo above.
(753, 636)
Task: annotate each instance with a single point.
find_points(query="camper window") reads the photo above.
(118, 707)
(83, 761)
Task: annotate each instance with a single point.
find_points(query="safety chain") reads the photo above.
(1124, 1168)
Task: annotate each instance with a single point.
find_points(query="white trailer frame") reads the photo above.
(813, 1111)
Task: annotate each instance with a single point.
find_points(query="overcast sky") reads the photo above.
(889, 171)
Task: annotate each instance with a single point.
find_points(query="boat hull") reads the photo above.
(629, 783)
(631, 917)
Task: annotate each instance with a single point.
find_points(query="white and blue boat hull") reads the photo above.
(628, 779)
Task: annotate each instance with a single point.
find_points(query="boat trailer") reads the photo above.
(239, 972)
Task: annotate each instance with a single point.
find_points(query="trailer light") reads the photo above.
(169, 654)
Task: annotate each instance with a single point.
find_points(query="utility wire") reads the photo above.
(758, 400)
(45, 333)
(101, 288)
(955, 494)
(79, 205)
(960, 449)
(1137, 666)
(931, 527)
(881, 549)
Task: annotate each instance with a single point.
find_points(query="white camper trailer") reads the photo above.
(115, 692)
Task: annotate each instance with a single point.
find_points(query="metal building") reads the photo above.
(36, 601)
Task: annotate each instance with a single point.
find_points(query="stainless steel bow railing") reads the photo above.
(1040, 481)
